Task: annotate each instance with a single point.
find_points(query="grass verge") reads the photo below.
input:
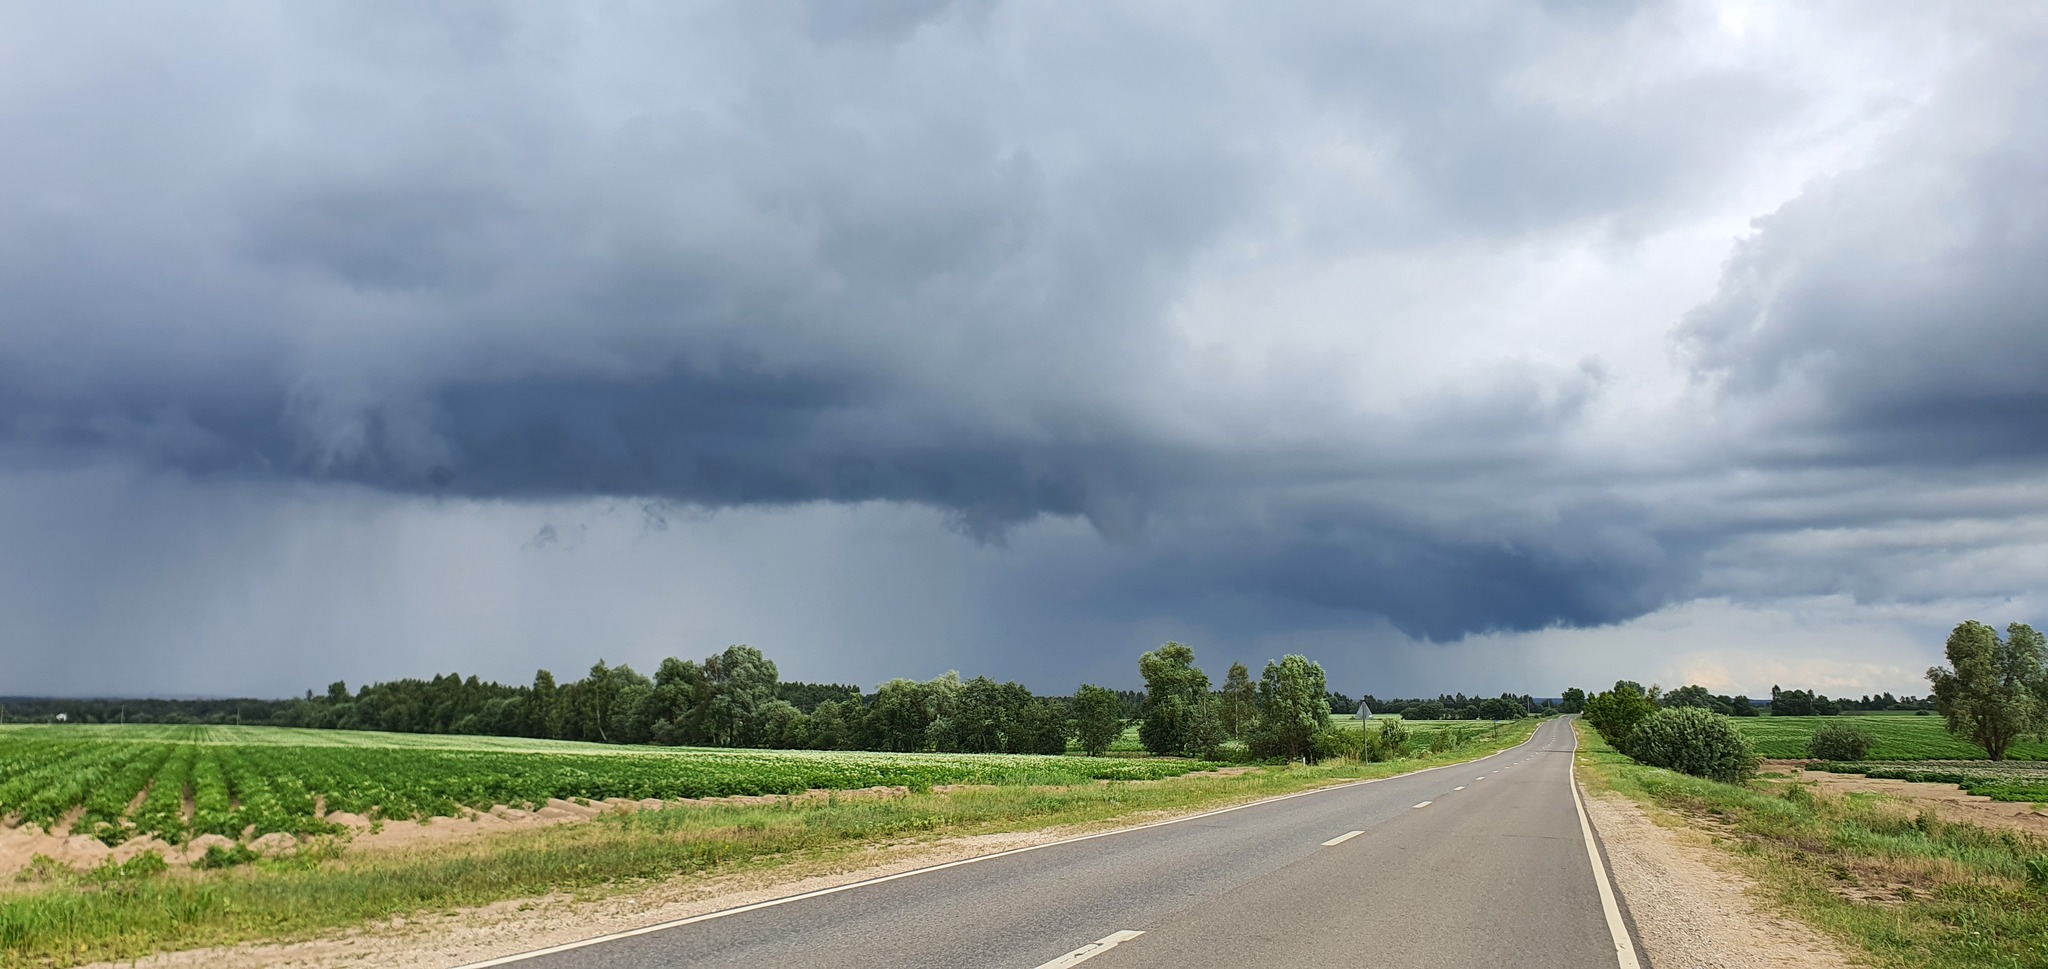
(1902, 887)
(66, 919)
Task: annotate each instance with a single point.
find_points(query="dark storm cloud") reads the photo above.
(915, 252)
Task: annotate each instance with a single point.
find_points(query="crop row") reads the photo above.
(2002, 781)
(179, 788)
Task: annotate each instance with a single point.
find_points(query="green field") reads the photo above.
(1898, 736)
(177, 782)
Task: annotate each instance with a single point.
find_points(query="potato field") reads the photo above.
(177, 782)
(1898, 737)
(2007, 781)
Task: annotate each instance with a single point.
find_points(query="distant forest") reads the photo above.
(736, 698)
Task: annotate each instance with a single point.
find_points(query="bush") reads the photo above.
(1338, 742)
(1693, 741)
(1389, 742)
(1840, 741)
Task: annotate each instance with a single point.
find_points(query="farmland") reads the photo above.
(2025, 781)
(177, 782)
(1898, 737)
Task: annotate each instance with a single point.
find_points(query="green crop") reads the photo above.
(2005, 781)
(186, 781)
(1898, 737)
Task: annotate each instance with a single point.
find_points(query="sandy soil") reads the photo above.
(1948, 801)
(20, 844)
(1690, 906)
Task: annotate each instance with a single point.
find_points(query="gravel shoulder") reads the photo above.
(1692, 908)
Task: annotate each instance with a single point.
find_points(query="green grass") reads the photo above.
(1898, 736)
(270, 778)
(65, 919)
(1903, 887)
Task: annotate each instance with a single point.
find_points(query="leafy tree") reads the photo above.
(543, 716)
(1574, 701)
(983, 716)
(1695, 695)
(1294, 705)
(1503, 707)
(1426, 710)
(1239, 705)
(1615, 713)
(1991, 691)
(738, 686)
(1098, 719)
(1178, 708)
(1040, 728)
(910, 716)
(838, 724)
(677, 707)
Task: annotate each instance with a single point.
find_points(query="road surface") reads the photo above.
(1469, 866)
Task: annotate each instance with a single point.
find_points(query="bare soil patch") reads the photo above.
(1690, 906)
(1948, 801)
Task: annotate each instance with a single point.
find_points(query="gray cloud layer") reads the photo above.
(942, 254)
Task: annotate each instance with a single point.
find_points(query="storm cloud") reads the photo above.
(1430, 324)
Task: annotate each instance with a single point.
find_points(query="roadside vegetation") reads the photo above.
(1905, 887)
(56, 917)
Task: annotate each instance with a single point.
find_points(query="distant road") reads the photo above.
(1475, 865)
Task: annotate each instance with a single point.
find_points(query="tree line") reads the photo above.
(736, 698)
(1458, 706)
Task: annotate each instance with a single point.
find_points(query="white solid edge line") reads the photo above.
(1624, 950)
(1092, 949)
(1340, 839)
(786, 899)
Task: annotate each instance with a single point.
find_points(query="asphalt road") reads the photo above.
(1469, 866)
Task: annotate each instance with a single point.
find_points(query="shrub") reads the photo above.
(1389, 742)
(1338, 742)
(1840, 741)
(1693, 741)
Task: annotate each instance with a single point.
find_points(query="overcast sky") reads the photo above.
(1463, 347)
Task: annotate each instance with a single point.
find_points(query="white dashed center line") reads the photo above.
(1459, 788)
(1340, 839)
(1092, 949)
(1425, 804)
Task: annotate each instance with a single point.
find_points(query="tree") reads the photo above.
(739, 684)
(1574, 701)
(1040, 728)
(1178, 709)
(1696, 696)
(1294, 704)
(1503, 707)
(1615, 713)
(1098, 719)
(1991, 691)
(1239, 706)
